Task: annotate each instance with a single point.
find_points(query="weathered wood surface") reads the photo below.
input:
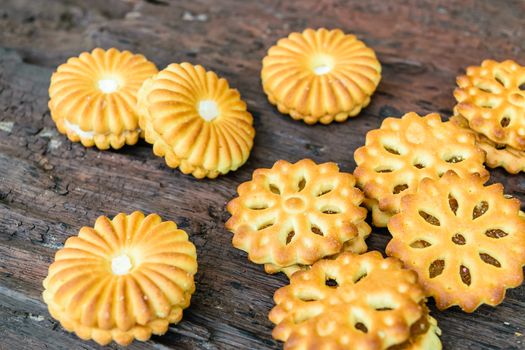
(50, 187)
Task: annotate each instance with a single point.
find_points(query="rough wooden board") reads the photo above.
(50, 187)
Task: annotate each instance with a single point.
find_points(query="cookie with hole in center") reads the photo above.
(296, 214)
(93, 97)
(354, 302)
(466, 241)
(492, 98)
(320, 75)
(403, 151)
(497, 155)
(124, 279)
(195, 121)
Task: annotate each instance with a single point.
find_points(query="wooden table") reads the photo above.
(50, 187)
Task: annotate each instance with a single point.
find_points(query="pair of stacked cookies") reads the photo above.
(424, 179)
(109, 98)
(124, 279)
(491, 103)
(305, 220)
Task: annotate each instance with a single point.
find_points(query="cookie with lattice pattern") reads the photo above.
(357, 245)
(379, 217)
(295, 214)
(354, 302)
(320, 75)
(497, 155)
(124, 279)
(403, 151)
(492, 98)
(466, 241)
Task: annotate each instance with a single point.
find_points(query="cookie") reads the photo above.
(125, 279)
(296, 214)
(354, 302)
(357, 245)
(466, 241)
(196, 121)
(492, 98)
(320, 75)
(93, 97)
(497, 155)
(403, 151)
(379, 217)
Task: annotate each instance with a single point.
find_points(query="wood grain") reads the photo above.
(50, 187)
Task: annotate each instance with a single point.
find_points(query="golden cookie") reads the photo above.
(465, 241)
(403, 151)
(196, 121)
(357, 245)
(492, 99)
(354, 302)
(295, 214)
(320, 75)
(379, 217)
(497, 155)
(124, 279)
(93, 97)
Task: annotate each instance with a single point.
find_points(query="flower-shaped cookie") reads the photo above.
(397, 156)
(497, 155)
(296, 214)
(93, 97)
(354, 302)
(465, 241)
(320, 75)
(124, 279)
(492, 98)
(195, 121)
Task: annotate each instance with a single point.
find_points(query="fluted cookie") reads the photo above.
(492, 98)
(195, 121)
(295, 214)
(403, 151)
(93, 97)
(465, 241)
(354, 302)
(497, 155)
(125, 279)
(320, 75)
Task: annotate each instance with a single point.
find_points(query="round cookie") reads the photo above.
(93, 97)
(124, 279)
(403, 151)
(356, 245)
(354, 302)
(497, 155)
(296, 214)
(320, 75)
(492, 98)
(465, 241)
(195, 121)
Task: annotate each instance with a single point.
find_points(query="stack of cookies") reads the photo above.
(491, 103)
(193, 119)
(305, 220)
(292, 215)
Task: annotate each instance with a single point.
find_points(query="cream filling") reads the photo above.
(76, 129)
(208, 110)
(108, 86)
(322, 69)
(87, 134)
(121, 265)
